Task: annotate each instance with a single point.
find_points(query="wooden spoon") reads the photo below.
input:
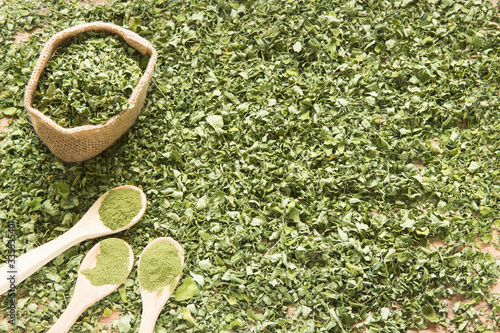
(89, 227)
(153, 302)
(85, 293)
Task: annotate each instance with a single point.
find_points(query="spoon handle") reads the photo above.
(68, 317)
(33, 260)
(150, 312)
(147, 325)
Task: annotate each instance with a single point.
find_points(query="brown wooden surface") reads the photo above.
(4, 124)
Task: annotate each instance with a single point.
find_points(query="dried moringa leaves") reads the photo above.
(304, 153)
(89, 80)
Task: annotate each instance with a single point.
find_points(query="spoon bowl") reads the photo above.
(90, 226)
(153, 302)
(85, 293)
(92, 223)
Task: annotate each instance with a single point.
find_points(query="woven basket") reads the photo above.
(81, 143)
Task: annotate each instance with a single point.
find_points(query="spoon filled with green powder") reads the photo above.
(160, 269)
(115, 211)
(103, 270)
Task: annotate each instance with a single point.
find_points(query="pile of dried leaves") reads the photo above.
(104, 71)
(304, 153)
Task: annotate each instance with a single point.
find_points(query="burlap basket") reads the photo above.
(81, 143)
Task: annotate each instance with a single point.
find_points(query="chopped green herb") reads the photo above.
(112, 263)
(89, 79)
(119, 207)
(159, 266)
(306, 154)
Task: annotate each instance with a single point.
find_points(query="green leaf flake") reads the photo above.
(473, 167)
(429, 314)
(434, 146)
(186, 315)
(390, 43)
(236, 323)
(384, 313)
(186, 290)
(8, 111)
(107, 312)
(205, 265)
(215, 121)
(198, 278)
(297, 47)
(62, 189)
(123, 324)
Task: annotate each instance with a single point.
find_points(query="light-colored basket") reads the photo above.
(81, 143)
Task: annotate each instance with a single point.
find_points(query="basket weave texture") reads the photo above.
(81, 143)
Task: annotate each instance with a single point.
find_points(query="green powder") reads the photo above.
(119, 207)
(112, 263)
(159, 266)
